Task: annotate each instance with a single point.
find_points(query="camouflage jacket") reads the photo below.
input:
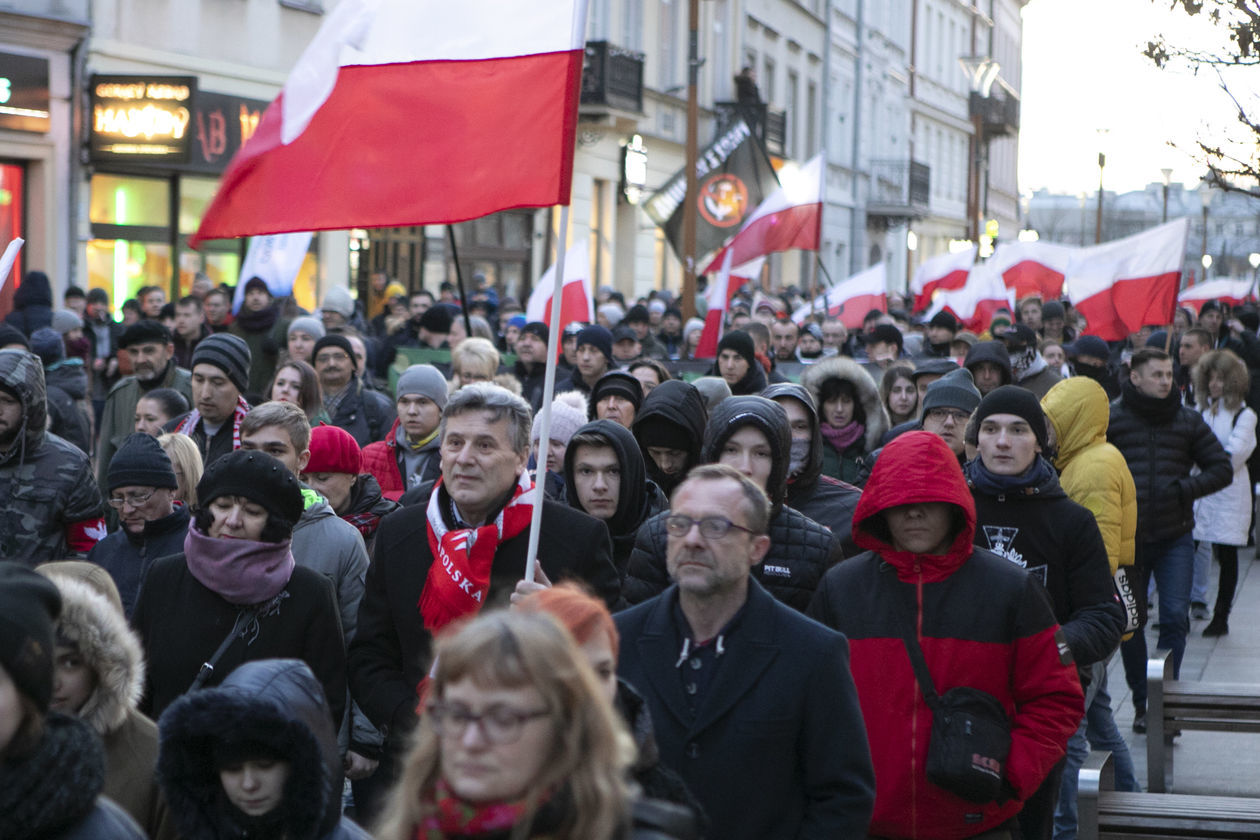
(50, 505)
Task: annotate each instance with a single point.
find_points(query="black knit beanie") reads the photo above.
(140, 462)
(438, 319)
(334, 340)
(537, 329)
(29, 606)
(598, 337)
(742, 343)
(1012, 399)
(258, 477)
(616, 382)
(12, 335)
(229, 353)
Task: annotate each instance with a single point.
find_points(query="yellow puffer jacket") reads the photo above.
(1091, 471)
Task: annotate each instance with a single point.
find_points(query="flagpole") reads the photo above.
(549, 390)
(459, 280)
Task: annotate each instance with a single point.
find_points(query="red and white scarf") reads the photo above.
(194, 417)
(459, 577)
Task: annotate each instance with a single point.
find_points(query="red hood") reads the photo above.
(916, 467)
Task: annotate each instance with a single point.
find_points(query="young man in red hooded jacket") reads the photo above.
(981, 622)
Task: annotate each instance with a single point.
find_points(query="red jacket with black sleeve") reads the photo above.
(981, 621)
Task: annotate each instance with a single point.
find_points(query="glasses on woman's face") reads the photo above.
(498, 724)
(132, 500)
(711, 527)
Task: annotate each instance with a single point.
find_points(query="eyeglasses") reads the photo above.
(324, 358)
(498, 724)
(711, 527)
(940, 415)
(133, 500)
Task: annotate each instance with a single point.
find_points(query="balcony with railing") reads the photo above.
(612, 78)
(768, 125)
(998, 112)
(900, 189)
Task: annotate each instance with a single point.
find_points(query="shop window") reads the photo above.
(121, 267)
(194, 197)
(124, 200)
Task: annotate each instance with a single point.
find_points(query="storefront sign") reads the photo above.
(23, 93)
(221, 125)
(142, 118)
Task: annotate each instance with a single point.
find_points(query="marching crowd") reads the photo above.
(261, 577)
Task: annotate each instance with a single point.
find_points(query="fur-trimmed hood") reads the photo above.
(274, 702)
(842, 367)
(94, 625)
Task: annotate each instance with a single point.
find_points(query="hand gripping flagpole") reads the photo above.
(549, 389)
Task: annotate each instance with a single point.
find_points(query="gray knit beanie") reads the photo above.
(955, 389)
(308, 324)
(425, 381)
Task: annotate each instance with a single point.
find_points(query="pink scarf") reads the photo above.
(242, 572)
(841, 439)
(194, 417)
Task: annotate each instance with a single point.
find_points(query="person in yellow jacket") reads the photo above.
(1095, 475)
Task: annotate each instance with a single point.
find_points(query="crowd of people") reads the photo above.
(261, 576)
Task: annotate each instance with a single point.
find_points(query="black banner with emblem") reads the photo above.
(733, 176)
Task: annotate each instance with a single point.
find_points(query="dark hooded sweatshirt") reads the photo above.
(1030, 521)
(826, 500)
(639, 498)
(981, 622)
(679, 408)
(32, 304)
(801, 550)
(275, 704)
(990, 351)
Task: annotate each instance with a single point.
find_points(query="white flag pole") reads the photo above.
(549, 389)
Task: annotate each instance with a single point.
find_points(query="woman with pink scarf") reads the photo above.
(235, 594)
(852, 417)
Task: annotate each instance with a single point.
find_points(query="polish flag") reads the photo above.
(984, 293)
(410, 112)
(575, 302)
(1123, 285)
(947, 271)
(1233, 292)
(1033, 268)
(718, 297)
(851, 299)
(790, 218)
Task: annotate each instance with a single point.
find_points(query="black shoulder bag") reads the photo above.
(971, 734)
(238, 630)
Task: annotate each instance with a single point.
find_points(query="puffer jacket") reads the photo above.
(50, 504)
(801, 550)
(1038, 528)
(384, 461)
(846, 465)
(326, 543)
(826, 500)
(277, 703)
(1010, 648)
(1163, 441)
(92, 622)
(128, 557)
(1092, 472)
(678, 404)
(1224, 517)
(638, 498)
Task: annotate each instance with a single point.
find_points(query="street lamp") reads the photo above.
(1167, 181)
(1102, 163)
(1207, 263)
(1254, 259)
(1205, 196)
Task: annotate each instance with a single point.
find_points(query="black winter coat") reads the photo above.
(367, 415)
(128, 557)
(181, 623)
(1057, 541)
(390, 653)
(1162, 441)
(679, 405)
(801, 551)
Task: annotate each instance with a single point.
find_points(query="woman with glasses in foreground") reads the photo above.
(517, 740)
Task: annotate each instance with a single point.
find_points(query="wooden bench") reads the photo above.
(1107, 814)
(1173, 705)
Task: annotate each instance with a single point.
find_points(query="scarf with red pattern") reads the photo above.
(194, 417)
(459, 577)
(453, 817)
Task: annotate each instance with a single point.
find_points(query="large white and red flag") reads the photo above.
(789, 219)
(850, 299)
(984, 293)
(717, 298)
(1032, 268)
(408, 112)
(1233, 292)
(1121, 286)
(946, 271)
(575, 298)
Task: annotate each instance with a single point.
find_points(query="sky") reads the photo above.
(1083, 70)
